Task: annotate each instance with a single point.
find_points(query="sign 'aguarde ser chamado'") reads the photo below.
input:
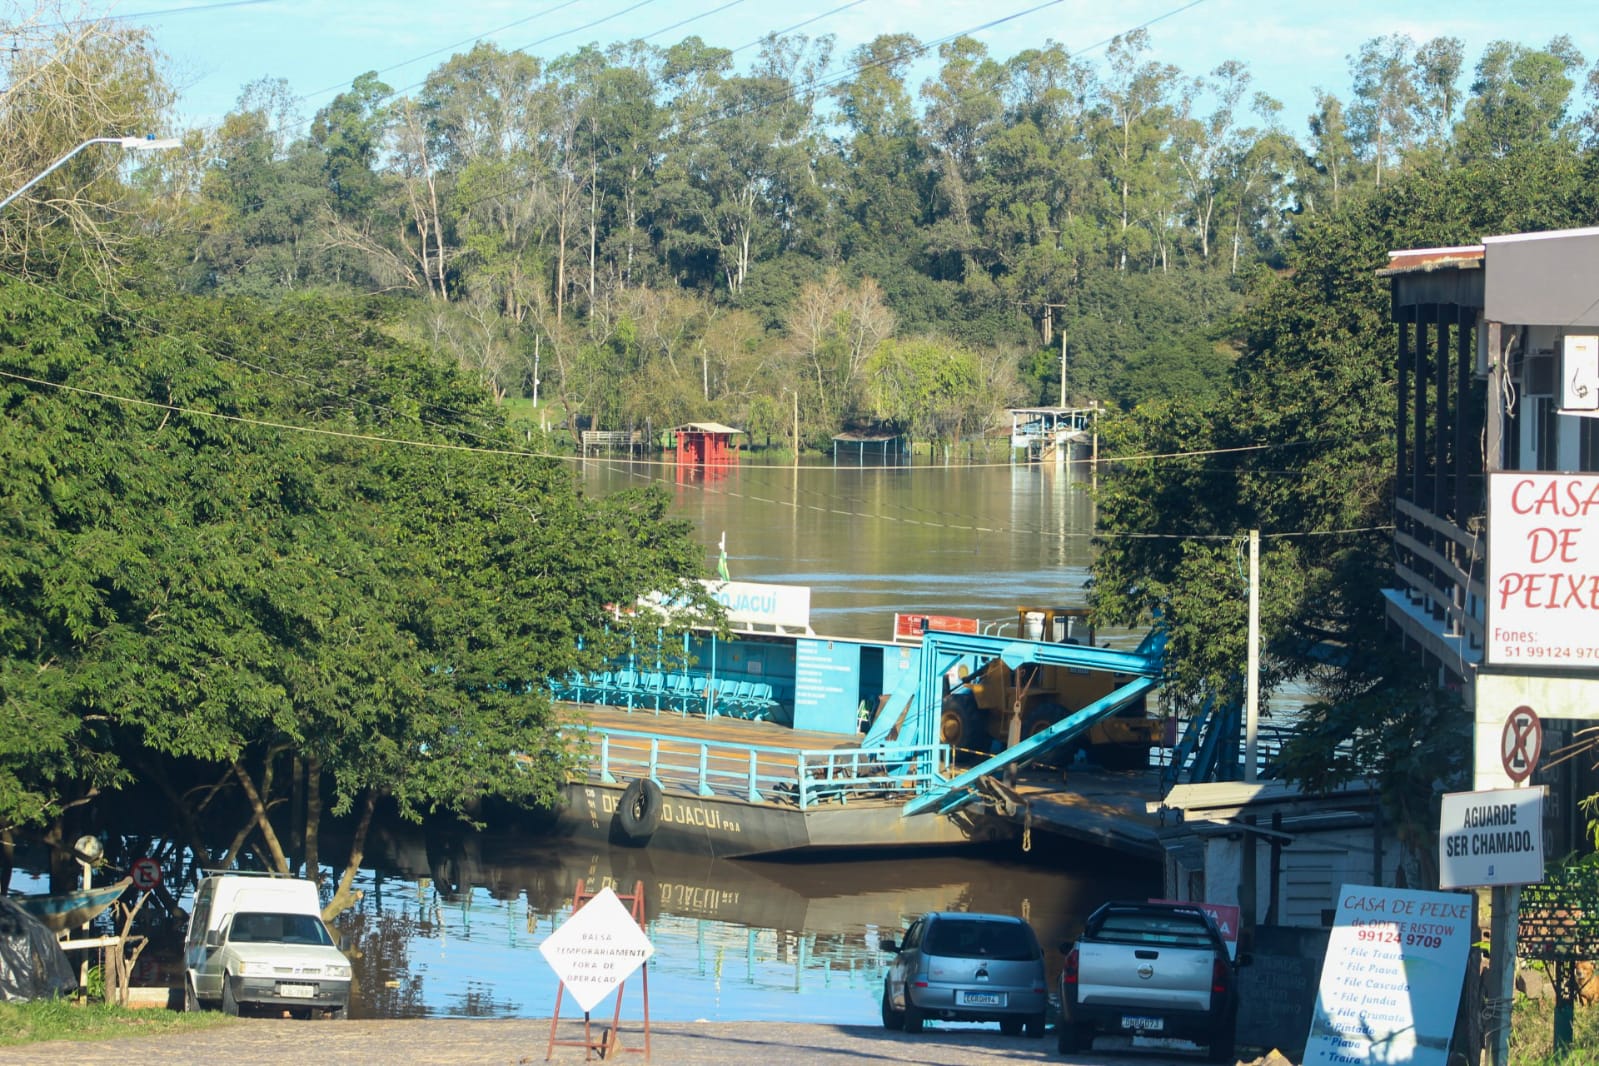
(1491, 838)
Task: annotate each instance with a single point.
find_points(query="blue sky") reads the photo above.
(216, 47)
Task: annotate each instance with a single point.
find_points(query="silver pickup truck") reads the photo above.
(1150, 969)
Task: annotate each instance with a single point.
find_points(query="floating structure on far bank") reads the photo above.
(1057, 434)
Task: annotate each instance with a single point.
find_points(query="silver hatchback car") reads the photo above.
(966, 967)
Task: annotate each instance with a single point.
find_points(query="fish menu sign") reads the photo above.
(1543, 570)
(1391, 981)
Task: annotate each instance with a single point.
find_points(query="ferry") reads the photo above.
(779, 740)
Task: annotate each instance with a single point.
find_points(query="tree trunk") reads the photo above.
(258, 806)
(188, 828)
(313, 817)
(296, 810)
(344, 896)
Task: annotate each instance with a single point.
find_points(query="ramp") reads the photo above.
(943, 653)
(961, 790)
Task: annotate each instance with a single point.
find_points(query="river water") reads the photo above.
(451, 926)
(969, 539)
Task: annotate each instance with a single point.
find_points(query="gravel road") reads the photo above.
(269, 1042)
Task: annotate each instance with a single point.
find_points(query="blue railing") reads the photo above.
(761, 774)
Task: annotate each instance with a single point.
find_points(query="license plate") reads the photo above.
(297, 991)
(1143, 1023)
(979, 999)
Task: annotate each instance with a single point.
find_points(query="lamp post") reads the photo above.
(133, 144)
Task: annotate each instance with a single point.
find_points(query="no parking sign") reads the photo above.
(146, 874)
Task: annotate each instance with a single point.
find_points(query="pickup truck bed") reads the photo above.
(1155, 969)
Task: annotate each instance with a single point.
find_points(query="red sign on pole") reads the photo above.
(146, 874)
(1520, 744)
(912, 626)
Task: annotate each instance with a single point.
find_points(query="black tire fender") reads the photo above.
(638, 815)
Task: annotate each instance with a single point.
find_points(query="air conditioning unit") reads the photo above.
(1538, 373)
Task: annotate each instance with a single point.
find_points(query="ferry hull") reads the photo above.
(724, 827)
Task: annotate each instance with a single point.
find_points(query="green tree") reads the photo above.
(1519, 98)
(1134, 124)
(929, 387)
(69, 82)
(1386, 100)
(184, 586)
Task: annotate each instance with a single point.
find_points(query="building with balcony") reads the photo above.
(1496, 509)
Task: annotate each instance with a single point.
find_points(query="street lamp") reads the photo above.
(133, 144)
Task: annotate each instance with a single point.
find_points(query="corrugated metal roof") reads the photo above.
(1219, 798)
(1424, 260)
(705, 427)
(1543, 235)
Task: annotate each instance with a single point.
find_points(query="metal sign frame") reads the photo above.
(609, 1040)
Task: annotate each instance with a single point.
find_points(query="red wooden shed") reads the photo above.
(705, 443)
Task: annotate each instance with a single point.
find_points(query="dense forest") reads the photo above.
(637, 236)
(656, 234)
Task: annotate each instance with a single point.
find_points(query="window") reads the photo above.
(257, 928)
(1171, 930)
(1588, 445)
(977, 938)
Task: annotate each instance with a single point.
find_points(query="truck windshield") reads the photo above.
(253, 927)
(969, 938)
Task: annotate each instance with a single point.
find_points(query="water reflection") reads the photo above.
(974, 540)
(734, 940)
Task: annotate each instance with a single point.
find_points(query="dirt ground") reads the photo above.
(270, 1042)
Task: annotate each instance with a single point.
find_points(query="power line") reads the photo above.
(135, 15)
(443, 446)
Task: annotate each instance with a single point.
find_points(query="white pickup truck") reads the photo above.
(1149, 969)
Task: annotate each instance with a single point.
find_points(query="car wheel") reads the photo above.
(1010, 1026)
(913, 1015)
(1221, 1044)
(230, 1006)
(1072, 1037)
(892, 1019)
(338, 1014)
(1035, 1025)
(191, 1002)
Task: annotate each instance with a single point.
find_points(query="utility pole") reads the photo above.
(796, 427)
(1063, 364)
(1049, 326)
(1252, 670)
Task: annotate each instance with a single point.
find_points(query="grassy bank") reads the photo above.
(1532, 1035)
(27, 1023)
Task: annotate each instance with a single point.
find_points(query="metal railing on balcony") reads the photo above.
(1442, 568)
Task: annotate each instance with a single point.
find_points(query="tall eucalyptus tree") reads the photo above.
(1135, 109)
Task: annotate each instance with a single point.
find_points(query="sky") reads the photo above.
(1291, 48)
